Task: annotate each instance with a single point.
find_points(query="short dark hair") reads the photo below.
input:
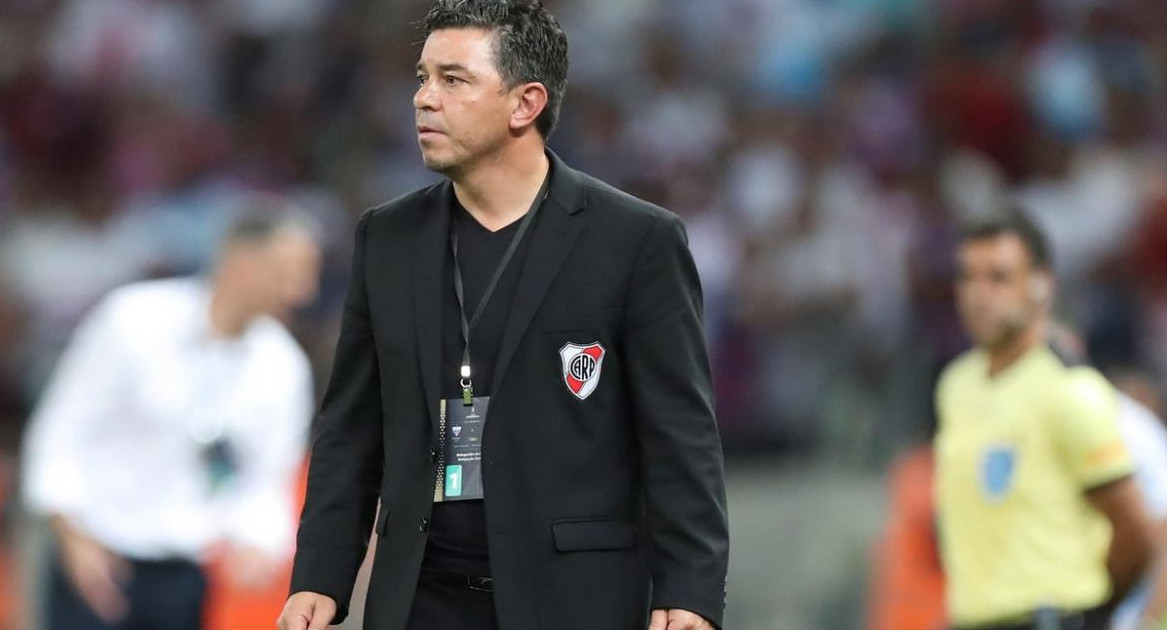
(1013, 222)
(529, 45)
(261, 217)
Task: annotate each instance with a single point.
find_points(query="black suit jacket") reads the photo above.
(597, 509)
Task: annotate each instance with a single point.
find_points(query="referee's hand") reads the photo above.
(677, 619)
(307, 611)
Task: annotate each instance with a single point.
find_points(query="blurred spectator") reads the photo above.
(172, 431)
(164, 48)
(1146, 438)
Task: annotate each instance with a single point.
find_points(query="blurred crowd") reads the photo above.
(821, 153)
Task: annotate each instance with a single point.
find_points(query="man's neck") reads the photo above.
(229, 316)
(503, 188)
(1005, 355)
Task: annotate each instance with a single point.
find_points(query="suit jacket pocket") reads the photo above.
(382, 520)
(594, 534)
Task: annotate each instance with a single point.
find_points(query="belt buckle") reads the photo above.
(1053, 619)
(484, 584)
(1074, 621)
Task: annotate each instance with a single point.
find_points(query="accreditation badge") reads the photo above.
(460, 457)
(221, 463)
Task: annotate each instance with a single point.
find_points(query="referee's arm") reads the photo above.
(1133, 545)
(1092, 445)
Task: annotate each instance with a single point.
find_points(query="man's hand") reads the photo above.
(307, 611)
(98, 574)
(677, 619)
(248, 568)
(1133, 547)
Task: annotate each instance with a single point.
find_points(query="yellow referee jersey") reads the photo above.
(1014, 455)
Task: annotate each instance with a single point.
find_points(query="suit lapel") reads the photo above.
(429, 254)
(552, 238)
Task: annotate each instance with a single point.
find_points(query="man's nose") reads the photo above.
(423, 98)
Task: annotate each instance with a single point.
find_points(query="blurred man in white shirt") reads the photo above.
(174, 426)
(1146, 439)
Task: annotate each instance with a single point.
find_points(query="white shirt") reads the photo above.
(114, 443)
(1146, 439)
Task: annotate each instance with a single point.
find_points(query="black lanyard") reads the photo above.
(467, 326)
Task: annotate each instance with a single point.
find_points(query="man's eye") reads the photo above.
(451, 80)
(421, 79)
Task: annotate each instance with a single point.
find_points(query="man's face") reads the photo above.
(998, 290)
(284, 272)
(463, 108)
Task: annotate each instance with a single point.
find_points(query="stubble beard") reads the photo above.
(439, 166)
(466, 160)
(1009, 332)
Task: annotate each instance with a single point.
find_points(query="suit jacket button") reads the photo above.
(434, 455)
(425, 525)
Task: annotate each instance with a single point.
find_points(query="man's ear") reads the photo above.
(530, 103)
(1041, 288)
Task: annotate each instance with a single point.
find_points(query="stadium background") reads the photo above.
(821, 153)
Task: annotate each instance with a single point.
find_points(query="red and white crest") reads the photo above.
(581, 367)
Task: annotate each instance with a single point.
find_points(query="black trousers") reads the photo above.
(449, 603)
(163, 595)
(1093, 619)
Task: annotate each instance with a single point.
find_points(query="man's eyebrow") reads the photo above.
(446, 67)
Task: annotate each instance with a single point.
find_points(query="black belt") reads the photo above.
(1092, 619)
(472, 582)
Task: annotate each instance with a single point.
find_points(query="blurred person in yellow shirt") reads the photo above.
(172, 431)
(1041, 524)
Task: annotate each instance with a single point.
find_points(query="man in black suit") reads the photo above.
(572, 312)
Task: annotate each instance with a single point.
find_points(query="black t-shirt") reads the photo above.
(457, 532)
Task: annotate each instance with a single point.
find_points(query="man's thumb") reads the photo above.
(323, 610)
(660, 619)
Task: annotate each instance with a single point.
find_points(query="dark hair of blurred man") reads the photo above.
(268, 264)
(172, 428)
(591, 494)
(1041, 524)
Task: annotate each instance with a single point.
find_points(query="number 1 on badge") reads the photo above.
(454, 481)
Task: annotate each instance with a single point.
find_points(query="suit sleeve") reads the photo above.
(680, 449)
(344, 474)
